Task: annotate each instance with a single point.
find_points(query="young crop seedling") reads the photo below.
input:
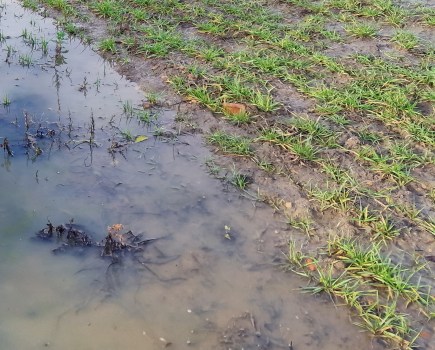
(201, 95)
(127, 135)
(304, 148)
(44, 46)
(365, 217)
(146, 117)
(361, 30)
(212, 167)
(330, 284)
(264, 102)
(107, 45)
(152, 97)
(315, 130)
(6, 101)
(296, 259)
(128, 108)
(30, 4)
(384, 229)
(231, 144)
(332, 198)
(25, 60)
(303, 224)
(71, 28)
(238, 118)
(240, 180)
(404, 39)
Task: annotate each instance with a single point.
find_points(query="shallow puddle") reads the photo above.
(209, 282)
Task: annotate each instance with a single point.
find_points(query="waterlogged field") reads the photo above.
(324, 110)
(82, 144)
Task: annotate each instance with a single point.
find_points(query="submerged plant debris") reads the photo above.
(71, 236)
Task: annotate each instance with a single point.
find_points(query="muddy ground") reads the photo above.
(283, 178)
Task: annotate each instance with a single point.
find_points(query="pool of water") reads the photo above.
(208, 282)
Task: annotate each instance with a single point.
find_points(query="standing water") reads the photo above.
(81, 149)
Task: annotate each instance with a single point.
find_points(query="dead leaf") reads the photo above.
(425, 334)
(309, 263)
(234, 108)
(140, 138)
(115, 228)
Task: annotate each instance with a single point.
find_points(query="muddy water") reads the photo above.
(195, 287)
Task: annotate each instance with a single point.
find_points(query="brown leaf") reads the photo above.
(234, 108)
(115, 228)
(426, 334)
(309, 263)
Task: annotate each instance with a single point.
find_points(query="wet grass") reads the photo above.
(370, 283)
(365, 72)
(230, 144)
(6, 101)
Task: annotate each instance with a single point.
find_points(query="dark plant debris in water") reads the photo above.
(114, 245)
(125, 250)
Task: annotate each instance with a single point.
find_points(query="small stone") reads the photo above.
(167, 343)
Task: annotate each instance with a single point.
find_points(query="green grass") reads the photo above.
(128, 108)
(369, 283)
(127, 135)
(264, 101)
(368, 263)
(44, 46)
(107, 45)
(338, 198)
(405, 40)
(238, 118)
(385, 229)
(240, 180)
(304, 224)
(146, 117)
(25, 60)
(6, 101)
(361, 30)
(231, 144)
(30, 4)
